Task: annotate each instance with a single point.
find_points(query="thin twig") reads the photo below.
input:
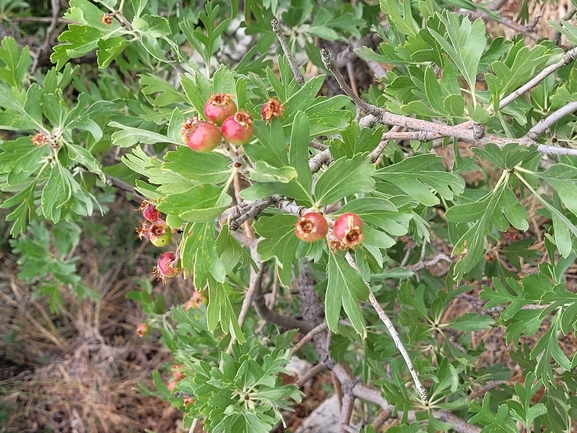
(554, 117)
(320, 159)
(377, 151)
(39, 20)
(394, 334)
(422, 264)
(316, 330)
(568, 57)
(310, 374)
(554, 150)
(46, 46)
(507, 22)
(293, 63)
(380, 115)
(383, 416)
(346, 409)
(255, 281)
(318, 146)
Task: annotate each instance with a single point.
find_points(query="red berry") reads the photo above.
(348, 229)
(142, 329)
(149, 211)
(271, 109)
(238, 129)
(199, 135)
(311, 227)
(219, 107)
(168, 266)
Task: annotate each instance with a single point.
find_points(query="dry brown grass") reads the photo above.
(78, 370)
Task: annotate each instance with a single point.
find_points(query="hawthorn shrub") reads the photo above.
(451, 176)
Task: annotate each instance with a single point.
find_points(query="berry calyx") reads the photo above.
(168, 266)
(142, 329)
(159, 233)
(238, 129)
(149, 211)
(311, 227)
(107, 19)
(271, 109)
(348, 229)
(199, 135)
(219, 107)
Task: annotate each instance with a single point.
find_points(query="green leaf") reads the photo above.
(345, 289)
(355, 140)
(197, 89)
(471, 322)
(485, 213)
(230, 251)
(343, 178)
(520, 249)
(16, 62)
(206, 168)
(272, 147)
(224, 82)
(56, 193)
(563, 178)
(198, 204)
(220, 312)
(299, 150)
(129, 136)
(418, 175)
(434, 91)
(279, 243)
(109, 49)
(400, 16)
(303, 97)
(465, 44)
(519, 66)
(264, 172)
(164, 92)
(548, 347)
(198, 255)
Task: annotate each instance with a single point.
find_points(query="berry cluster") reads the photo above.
(347, 229)
(159, 234)
(223, 121)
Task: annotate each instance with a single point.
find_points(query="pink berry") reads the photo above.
(142, 329)
(199, 135)
(149, 211)
(348, 229)
(219, 107)
(311, 227)
(271, 109)
(168, 266)
(238, 129)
